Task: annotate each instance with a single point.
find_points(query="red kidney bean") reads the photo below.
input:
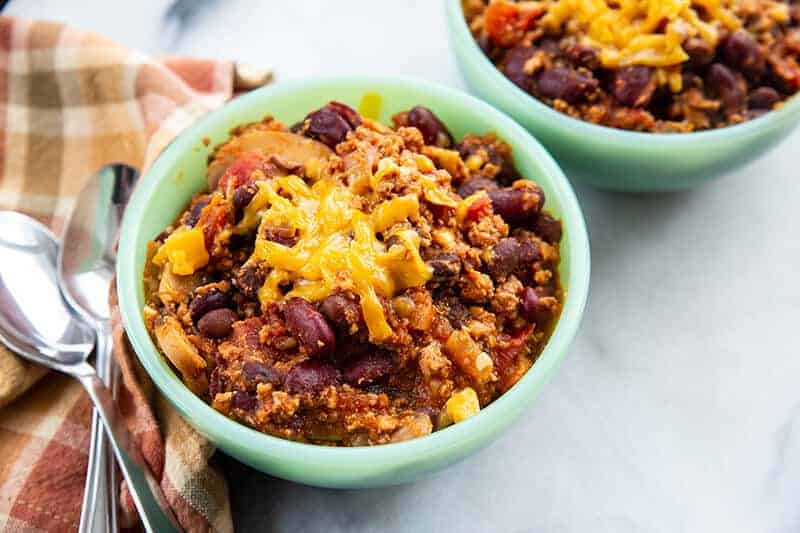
(340, 311)
(550, 45)
(741, 51)
(249, 279)
(700, 52)
(532, 306)
(346, 112)
(241, 199)
(281, 235)
(243, 400)
(518, 205)
(194, 213)
(327, 126)
(633, 86)
(725, 84)
(548, 228)
(368, 368)
(217, 323)
(433, 131)
(514, 67)
(310, 327)
(505, 257)
(255, 372)
(763, 98)
(474, 185)
(311, 375)
(208, 301)
(585, 56)
(529, 251)
(565, 84)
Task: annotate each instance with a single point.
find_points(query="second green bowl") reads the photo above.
(617, 159)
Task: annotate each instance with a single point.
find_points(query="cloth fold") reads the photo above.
(71, 102)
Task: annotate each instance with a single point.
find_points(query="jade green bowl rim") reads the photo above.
(537, 111)
(438, 446)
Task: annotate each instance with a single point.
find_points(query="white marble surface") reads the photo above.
(678, 408)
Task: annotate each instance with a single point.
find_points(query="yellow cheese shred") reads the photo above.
(337, 243)
(641, 32)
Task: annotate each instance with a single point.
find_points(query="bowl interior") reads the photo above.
(179, 173)
(615, 158)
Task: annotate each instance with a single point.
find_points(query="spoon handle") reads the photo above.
(153, 508)
(99, 501)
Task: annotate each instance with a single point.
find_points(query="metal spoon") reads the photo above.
(85, 269)
(36, 323)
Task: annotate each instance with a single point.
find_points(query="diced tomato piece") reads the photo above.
(213, 219)
(510, 346)
(481, 207)
(507, 22)
(240, 172)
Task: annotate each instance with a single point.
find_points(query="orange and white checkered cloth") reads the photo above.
(71, 102)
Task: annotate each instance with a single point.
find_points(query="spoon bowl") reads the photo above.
(35, 321)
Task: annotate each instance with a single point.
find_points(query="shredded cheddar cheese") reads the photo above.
(642, 32)
(338, 244)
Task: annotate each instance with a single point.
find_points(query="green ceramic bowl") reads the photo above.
(616, 159)
(179, 173)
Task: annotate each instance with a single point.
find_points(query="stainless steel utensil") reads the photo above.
(36, 323)
(85, 268)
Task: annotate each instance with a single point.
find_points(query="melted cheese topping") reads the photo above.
(642, 32)
(337, 243)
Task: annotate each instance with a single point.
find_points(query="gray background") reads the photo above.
(677, 408)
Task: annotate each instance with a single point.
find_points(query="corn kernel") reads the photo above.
(462, 405)
(185, 250)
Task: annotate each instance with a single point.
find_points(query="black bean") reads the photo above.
(741, 51)
(633, 86)
(241, 199)
(763, 98)
(310, 327)
(474, 185)
(208, 301)
(217, 323)
(194, 213)
(367, 368)
(727, 86)
(311, 375)
(566, 84)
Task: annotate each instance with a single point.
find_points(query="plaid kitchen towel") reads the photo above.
(71, 102)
